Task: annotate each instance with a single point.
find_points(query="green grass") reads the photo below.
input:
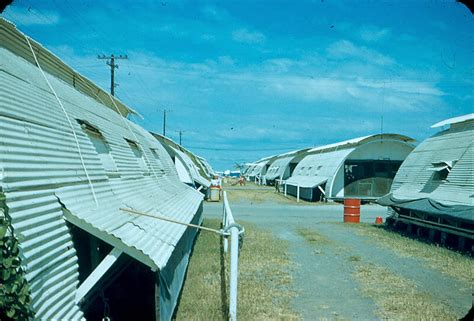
(313, 237)
(398, 298)
(264, 279)
(263, 194)
(446, 261)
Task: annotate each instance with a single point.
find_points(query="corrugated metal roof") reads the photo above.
(14, 41)
(413, 180)
(277, 168)
(257, 169)
(192, 168)
(209, 170)
(361, 140)
(315, 169)
(40, 163)
(454, 120)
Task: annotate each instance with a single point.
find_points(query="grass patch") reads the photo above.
(263, 194)
(398, 298)
(446, 261)
(257, 196)
(313, 237)
(264, 279)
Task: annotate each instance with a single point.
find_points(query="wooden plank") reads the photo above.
(97, 274)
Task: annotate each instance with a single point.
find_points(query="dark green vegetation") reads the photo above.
(14, 293)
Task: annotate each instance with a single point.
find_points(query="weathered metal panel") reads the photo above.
(14, 41)
(192, 168)
(315, 169)
(278, 167)
(40, 163)
(257, 169)
(414, 179)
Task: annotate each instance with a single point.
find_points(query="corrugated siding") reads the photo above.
(14, 41)
(192, 168)
(257, 169)
(47, 251)
(413, 179)
(278, 167)
(314, 169)
(40, 162)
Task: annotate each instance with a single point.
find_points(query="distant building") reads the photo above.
(358, 168)
(283, 166)
(192, 170)
(70, 162)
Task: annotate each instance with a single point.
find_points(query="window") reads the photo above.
(441, 170)
(139, 156)
(101, 146)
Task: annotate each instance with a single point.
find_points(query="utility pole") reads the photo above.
(164, 122)
(113, 66)
(180, 136)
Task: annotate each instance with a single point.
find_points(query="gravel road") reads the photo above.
(322, 277)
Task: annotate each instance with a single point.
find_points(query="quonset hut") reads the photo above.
(190, 170)
(434, 187)
(283, 166)
(70, 161)
(358, 168)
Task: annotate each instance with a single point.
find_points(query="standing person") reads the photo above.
(277, 186)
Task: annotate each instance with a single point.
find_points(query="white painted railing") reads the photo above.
(235, 231)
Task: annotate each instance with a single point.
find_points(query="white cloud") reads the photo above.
(214, 13)
(344, 49)
(373, 34)
(29, 16)
(246, 36)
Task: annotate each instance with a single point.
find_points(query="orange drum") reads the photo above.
(351, 210)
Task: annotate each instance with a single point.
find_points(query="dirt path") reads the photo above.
(328, 261)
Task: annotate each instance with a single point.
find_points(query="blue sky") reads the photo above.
(247, 79)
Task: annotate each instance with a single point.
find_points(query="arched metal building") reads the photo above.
(358, 168)
(434, 187)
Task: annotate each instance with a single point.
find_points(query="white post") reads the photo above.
(234, 254)
(285, 188)
(97, 274)
(224, 222)
(297, 193)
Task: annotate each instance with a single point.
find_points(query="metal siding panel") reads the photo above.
(40, 161)
(452, 144)
(307, 174)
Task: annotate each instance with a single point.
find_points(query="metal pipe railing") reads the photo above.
(235, 231)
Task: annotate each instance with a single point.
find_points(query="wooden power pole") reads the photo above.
(111, 62)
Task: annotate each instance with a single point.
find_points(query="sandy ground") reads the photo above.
(323, 276)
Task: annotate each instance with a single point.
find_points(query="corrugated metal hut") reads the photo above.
(434, 187)
(283, 166)
(255, 171)
(69, 162)
(188, 166)
(207, 167)
(358, 168)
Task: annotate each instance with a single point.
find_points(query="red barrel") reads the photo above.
(351, 210)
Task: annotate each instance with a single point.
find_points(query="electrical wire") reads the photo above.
(68, 119)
